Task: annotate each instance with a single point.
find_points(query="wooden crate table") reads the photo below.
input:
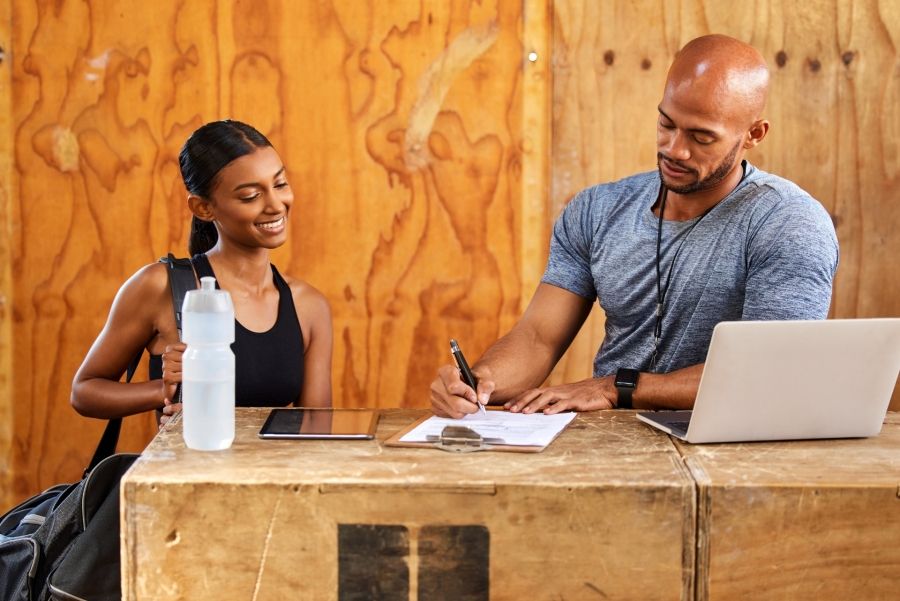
(799, 520)
(605, 512)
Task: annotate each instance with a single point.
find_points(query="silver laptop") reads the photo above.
(791, 380)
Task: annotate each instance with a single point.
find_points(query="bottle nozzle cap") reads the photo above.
(208, 283)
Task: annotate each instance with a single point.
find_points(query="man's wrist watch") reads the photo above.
(626, 381)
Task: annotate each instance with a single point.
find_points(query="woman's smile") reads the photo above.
(271, 227)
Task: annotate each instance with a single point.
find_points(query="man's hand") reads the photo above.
(451, 397)
(587, 395)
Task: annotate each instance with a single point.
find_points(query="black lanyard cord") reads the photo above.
(660, 290)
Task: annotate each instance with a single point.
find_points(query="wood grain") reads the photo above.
(834, 107)
(607, 510)
(404, 135)
(798, 520)
(7, 407)
(412, 232)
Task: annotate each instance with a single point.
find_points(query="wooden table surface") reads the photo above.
(799, 520)
(612, 509)
(598, 447)
(607, 510)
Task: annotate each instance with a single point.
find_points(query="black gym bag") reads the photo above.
(69, 534)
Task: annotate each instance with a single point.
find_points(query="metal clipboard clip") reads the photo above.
(460, 439)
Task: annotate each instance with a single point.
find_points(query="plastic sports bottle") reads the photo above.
(207, 388)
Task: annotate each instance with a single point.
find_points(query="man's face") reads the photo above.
(697, 143)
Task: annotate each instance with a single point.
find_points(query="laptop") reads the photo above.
(791, 380)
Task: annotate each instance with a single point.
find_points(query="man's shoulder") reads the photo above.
(776, 189)
(779, 203)
(601, 200)
(772, 193)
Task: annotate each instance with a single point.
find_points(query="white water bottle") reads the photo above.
(207, 368)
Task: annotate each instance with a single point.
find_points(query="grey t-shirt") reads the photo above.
(766, 251)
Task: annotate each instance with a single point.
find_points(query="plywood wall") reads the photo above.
(834, 107)
(417, 136)
(404, 135)
(7, 417)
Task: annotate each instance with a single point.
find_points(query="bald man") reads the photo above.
(668, 254)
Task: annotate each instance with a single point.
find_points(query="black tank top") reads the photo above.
(268, 365)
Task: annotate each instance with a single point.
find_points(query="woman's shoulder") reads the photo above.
(145, 295)
(149, 279)
(146, 290)
(306, 296)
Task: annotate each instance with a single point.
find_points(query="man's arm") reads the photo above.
(674, 390)
(513, 368)
(519, 361)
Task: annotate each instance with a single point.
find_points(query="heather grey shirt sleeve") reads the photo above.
(792, 256)
(569, 264)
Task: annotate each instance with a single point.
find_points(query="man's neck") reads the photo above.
(684, 207)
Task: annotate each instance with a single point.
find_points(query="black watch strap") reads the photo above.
(625, 382)
(625, 397)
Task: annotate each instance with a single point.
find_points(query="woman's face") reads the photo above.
(252, 200)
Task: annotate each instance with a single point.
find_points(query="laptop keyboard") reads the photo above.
(679, 425)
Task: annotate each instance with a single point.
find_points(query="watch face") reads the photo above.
(627, 377)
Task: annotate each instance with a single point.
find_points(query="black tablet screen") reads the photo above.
(318, 422)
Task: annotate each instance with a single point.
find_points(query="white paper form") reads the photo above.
(516, 429)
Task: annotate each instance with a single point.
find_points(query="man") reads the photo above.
(668, 256)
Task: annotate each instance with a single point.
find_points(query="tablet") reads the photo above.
(309, 422)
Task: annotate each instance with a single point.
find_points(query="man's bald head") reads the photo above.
(729, 75)
(710, 114)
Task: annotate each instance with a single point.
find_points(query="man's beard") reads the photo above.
(717, 175)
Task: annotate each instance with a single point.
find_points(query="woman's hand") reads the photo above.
(171, 377)
(168, 411)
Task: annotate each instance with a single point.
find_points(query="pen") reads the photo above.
(467, 376)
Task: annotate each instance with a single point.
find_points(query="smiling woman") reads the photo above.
(241, 200)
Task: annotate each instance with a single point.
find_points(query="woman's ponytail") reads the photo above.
(203, 236)
(209, 150)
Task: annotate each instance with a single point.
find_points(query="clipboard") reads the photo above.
(457, 445)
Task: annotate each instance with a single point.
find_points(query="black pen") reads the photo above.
(467, 376)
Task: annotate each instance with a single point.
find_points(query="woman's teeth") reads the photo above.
(272, 225)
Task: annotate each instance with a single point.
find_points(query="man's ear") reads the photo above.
(757, 132)
(201, 208)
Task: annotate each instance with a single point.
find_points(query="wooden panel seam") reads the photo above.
(537, 84)
(702, 515)
(689, 529)
(702, 484)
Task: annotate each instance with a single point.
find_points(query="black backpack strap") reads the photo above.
(181, 280)
(106, 447)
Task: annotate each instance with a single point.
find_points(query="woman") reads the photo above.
(241, 201)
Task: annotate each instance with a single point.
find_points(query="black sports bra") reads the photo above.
(268, 365)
